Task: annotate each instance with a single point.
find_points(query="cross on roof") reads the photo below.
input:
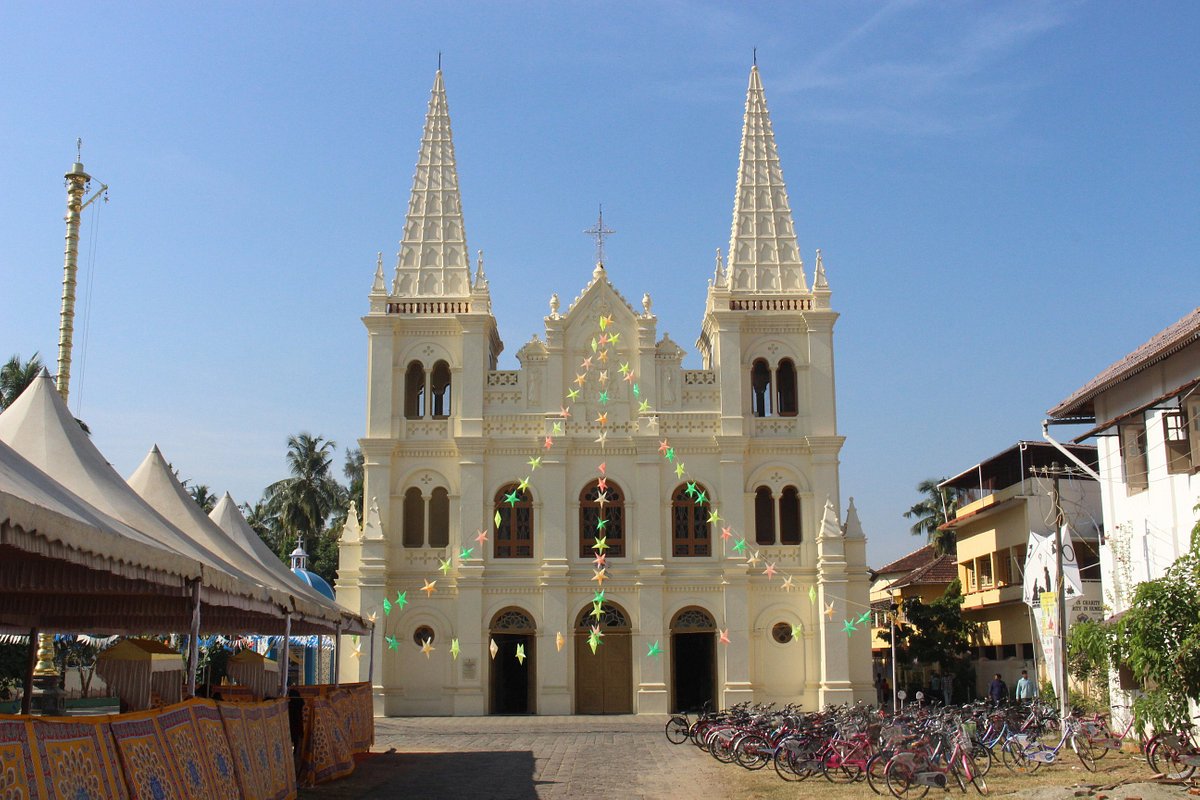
(598, 232)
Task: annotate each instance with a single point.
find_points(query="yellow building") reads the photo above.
(1001, 500)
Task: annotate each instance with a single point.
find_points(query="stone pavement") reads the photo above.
(526, 758)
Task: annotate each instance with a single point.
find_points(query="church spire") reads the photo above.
(433, 258)
(763, 254)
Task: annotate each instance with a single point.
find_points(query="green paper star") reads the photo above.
(796, 631)
(598, 597)
(392, 643)
(848, 627)
(739, 546)
(401, 600)
(600, 523)
(691, 489)
(614, 338)
(512, 497)
(557, 427)
(637, 391)
(444, 566)
(624, 369)
(670, 454)
(594, 345)
(387, 607)
(654, 650)
(866, 615)
(593, 643)
(701, 497)
(679, 469)
(604, 397)
(465, 553)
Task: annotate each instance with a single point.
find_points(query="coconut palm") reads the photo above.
(931, 513)
(15, 378)
(203, 497)
(302, 503)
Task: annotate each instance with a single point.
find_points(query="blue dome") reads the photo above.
(315, 581)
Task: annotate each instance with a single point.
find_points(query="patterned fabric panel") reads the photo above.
(18, 776)
(362, 717)
(77, 759)
(242, 746)
(182, 741)
(325, 752)
(150, 770)
(275, 736)
(215, 750)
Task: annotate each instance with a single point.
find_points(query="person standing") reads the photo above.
(948, 687)
(997, 690)
(1026, 691)
(935, 686)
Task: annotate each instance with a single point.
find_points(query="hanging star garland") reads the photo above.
(454, 649)
(654, 650)
(392, 642)
(427, 647)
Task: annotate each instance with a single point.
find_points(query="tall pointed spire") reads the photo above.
(763, 254)
(433, 258)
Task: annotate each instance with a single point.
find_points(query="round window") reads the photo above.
(781, 632)
(422, 634)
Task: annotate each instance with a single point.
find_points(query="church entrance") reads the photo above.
(604, 679)
(693, 660)
(511, 678)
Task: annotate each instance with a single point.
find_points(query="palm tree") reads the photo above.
(931, 513)
(264, 523)
(302, 503)
(353, 470)
(15, 378)
(203, 497)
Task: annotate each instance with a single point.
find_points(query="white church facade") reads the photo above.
(602, 530)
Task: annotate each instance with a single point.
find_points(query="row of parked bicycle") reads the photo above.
(907, 754)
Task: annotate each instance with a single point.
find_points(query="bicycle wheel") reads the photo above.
(677, 730)
(1083, 749)
(900, 776)
(1012, 756)
(1163, 756)
(787, 763)
(981, 757)
(752, 751)
(876, 779)
(720, 745)
(839, 765)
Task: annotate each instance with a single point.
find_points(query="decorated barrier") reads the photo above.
(330, 723)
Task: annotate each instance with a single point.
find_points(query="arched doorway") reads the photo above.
(693, 659)
(512, 684)
(604, 679)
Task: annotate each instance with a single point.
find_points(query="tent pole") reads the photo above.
(194, 640)
(336, 677)
(27, 694)
(284, 660)
(371, 659)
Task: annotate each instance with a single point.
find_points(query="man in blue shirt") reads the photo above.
(1025, 689)
(997, 690)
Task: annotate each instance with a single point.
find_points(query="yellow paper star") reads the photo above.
(602, 419)
(427, 647)
(616, 337)
(454, 649)
(679, 469)
(429, 587)
(556, 428)
(535, 462)
(604, 355)
(572, 394)
(444, 566)
(643, 406)
(601, 544)
(523, 484)
(580, 380)
(789, 583)
(624, 369)
(520, 654)
(714, 516)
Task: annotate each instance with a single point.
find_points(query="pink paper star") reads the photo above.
(725, 636)
(600, 560)
(481, 537)
(566, 412)
(726, 533)
(549, 442)
(602, 467)
(770, 570)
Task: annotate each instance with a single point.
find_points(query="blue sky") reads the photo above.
(1006, 196)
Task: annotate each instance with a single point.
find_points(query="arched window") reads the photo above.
(439, 518)
(414, 391)
(786, 402)
(790, 528)
(607, 505)
(760, 389)
(514, 534)
(690, 534)
(414, 518)
(439, 390)
(764, 516)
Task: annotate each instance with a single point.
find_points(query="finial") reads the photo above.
(480, 279)
(646, 303)
(554, 306)
(377, 286)
(78, 149)
(439, 60)
(598, 232)
(754, 57)
(819, 279)
(718, 272)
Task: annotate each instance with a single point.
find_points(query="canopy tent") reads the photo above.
(143, 673)
(156, 483)
(255, 671)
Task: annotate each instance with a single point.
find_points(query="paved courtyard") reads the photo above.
(524, 758)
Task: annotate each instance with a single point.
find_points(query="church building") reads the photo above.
(603, 530)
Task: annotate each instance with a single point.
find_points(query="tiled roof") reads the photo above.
(941, 570)
(917, 558)
(1167, 342)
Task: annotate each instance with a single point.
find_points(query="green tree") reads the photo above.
(264, 523)
(931, 513)
(303, 503)
(203, 497)
(15, 378)
(937, 633)
(353, 470)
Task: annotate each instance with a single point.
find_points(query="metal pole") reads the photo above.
(27, 694)
(284, 661)
(893, 615)
(194, 640)
(335, 678)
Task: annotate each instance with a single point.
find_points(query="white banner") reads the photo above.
(1041, 568)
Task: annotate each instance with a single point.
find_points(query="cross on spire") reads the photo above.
(598, 232)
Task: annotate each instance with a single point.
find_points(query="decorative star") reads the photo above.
(603, 398)
(604, 357)
(829, 610)
(616, 337)
(679, 469)
(523, 484)
(637, 390)
(572, 394)
(480, 536)
(564, 412)
(600, 576)
(670, 454)
(597, 610)
(465, 553)
(602, 419)
(602, 469)
(429, 588)
(497, 518)
(789, 583)
(556, 428)
(864, 617)
(520, 654)
(812, 594)
(594, 345)
(601, 499)
(586, 364)
(357, 652)
(713, 516)
(725, 636)
(598, 597)
(599, 634)
(444, 566)
(392, 642)
(454, 649)
(753, 558)
(580, 380)
(601, 544)
(848, 626)
(600, 560)
(559, 641)
(624, 368)
(387, 607)
(663, 446)
(493, 648)
(602, 483)
(601, 524)
(604, 338)
(739, 545)
(401, 600)
(603, 377)
(690, 491)
(371, 617)
(643, 406)
(593, 643)
(770, 570)
(701, 497)
(629, 378)
(726, 532)
(605, 321)
(534, 462)
(512, 497)
(602, 439)
(549, 442)
(796, 631)
(652, 423)
(427, 647)
(654, 650)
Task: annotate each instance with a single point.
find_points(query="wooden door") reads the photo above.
(604, 680)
